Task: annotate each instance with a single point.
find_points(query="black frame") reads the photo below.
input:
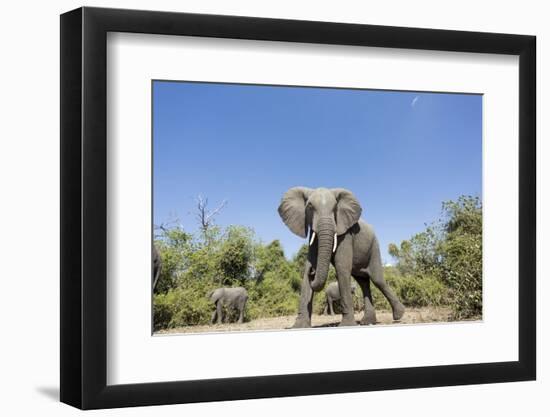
(84, 207)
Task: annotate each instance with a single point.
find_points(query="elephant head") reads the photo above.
(324, 214)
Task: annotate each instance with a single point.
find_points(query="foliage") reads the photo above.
(300, 258)
(413, 291)
(417, 256)
(448, 253)
(163, 310)
(273, 296)
(195, 264)
(462, 256)
(174, 248)
(181, 306)
(235, 255)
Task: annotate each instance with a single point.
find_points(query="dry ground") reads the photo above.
(412, 316)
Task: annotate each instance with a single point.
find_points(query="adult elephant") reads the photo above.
(157, 266)
(331, 217)
(332, 294)
(231, 299)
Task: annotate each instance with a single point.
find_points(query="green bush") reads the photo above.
(422, 292)
(235, 255)
(447, 253)
(463, 274)
(195, 265)
(191, 306)
(163, 310)
(174, 251)
(413, 291)
(274, 295)
(182, 307)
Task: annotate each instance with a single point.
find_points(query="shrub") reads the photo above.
(411, 290)
(182, 307)
(174, 250)
(235, 255)
(163, 310)
(191, 306)
(223, 258)
(463, 274)
(421, 292)
(449, 252)
(274, 295)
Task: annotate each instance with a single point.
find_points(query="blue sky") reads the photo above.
(401, 153)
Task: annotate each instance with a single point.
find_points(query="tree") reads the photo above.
(206, 217)
(300, 258)
(419, 255)
(449, 250)
(267, 258)
(174, 246)
(462, 255)
(235, 255)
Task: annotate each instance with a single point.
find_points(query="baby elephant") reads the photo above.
(231, 299)
(333, 294)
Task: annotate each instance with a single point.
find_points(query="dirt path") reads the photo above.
(412, 316)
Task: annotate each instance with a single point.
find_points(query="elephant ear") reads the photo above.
(348, 210)
(293, 209)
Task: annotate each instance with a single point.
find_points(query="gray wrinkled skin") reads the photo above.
(230, 298)
(326, 213)
(332, 293)
(157, 266)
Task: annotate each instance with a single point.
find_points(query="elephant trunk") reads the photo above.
(325, 242)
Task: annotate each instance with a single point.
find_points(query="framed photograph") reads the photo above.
(258, 208)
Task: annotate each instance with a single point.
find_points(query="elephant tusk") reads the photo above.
(335, 243)
(312, 239)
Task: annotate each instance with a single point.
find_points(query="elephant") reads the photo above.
(332, 293)
(157, 266)
(232, 298)
(337, 235)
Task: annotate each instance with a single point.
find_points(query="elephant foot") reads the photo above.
(398, 311)
(368, 318)
(348, 321)
(301, 323)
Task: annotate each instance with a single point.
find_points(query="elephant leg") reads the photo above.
(306, 298)
(346, 301)
(375, 272)
(369, 316)
(343, 264)
(241, 311)
(325, 310)
(219, 311)
(157, 274)
(214, 314)
(330, 304)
